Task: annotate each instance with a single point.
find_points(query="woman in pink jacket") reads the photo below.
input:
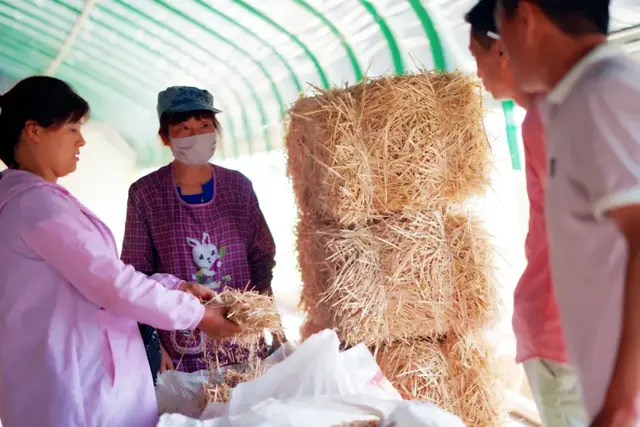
(72, 354)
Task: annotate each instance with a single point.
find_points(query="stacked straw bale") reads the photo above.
(457, 374)
(411, 275)
(388, 254)
(396, 144)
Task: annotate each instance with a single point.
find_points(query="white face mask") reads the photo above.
(196, 149)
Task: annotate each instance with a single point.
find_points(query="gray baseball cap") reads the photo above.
(178, 99)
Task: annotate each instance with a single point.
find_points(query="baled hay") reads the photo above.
(252, 311)
(412, 275)
(456, 375)
(219, 390)
(308, 248)
(389, 145)
(417, 369)
(478, 383)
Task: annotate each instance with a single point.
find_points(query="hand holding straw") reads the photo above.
(216, 324)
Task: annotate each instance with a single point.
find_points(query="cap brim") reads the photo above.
(191, 107)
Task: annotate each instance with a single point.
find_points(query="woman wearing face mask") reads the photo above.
(72, 353)
(199, 222)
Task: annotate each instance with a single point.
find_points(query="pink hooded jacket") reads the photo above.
(71, 353)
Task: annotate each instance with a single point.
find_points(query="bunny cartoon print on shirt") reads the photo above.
(208, 258)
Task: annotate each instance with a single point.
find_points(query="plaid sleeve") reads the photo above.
(262, 248)
(137, 246)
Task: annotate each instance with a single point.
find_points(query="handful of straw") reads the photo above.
(250, 310)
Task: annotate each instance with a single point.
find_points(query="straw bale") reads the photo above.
(389, 145)
(308, 247)
(458, 375)
(408, 276)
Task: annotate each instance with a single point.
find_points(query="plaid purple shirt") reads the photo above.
(225, 242)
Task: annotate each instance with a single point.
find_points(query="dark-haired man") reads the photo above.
(536, 321)
(592, 119)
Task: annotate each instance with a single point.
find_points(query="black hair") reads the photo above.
(482, 21)
(169, 119)
(45, 100)
(574, 17)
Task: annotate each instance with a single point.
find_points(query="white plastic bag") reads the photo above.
(327, 411)
(420, 414)
(316, 368)
(181, 393)
(366, 375)
(284, 351)
(319, 386)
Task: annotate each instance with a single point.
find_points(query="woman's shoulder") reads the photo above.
(232, 178)
(19, 187)
(150, 183)
(40, 203)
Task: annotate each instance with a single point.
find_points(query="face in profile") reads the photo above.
(57, 147)
(491, 65)
(521, 39)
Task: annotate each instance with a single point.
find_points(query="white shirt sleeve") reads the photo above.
(610, 166)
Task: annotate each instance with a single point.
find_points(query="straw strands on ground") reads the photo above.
(390, 145)
(455, 374)
(408, 276)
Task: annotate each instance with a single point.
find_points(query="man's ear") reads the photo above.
(527, 12)
(502, 55)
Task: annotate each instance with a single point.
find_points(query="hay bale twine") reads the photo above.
(388, 145)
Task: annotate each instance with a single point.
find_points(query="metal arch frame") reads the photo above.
(274, 88)
(276, 52)
(355, 64)
(16, 41)
(321, 73)
(150, 52)
(248, 132)
(257, 63)
(396, 55)
(227, 119)
(48, 36)
(437, 49)
(13, 62)
(419, 10)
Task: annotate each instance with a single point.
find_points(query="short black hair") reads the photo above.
(167, 119)
(574, 17)
(482, 21)
(45, 100)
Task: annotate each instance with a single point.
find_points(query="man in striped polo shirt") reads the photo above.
(591, 115)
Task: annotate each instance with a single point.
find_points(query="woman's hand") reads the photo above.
(215, 322)
(167, 363)
(198, 291)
